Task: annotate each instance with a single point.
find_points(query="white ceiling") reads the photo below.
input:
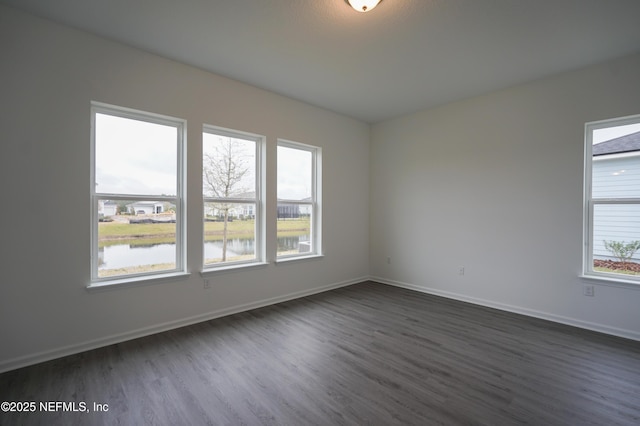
(401, 57)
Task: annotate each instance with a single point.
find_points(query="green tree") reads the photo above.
(122, 207)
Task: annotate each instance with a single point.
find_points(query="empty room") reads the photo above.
(336, 212)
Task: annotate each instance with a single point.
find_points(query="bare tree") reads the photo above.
(223, 172)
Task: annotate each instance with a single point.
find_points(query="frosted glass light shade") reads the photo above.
(363, 5)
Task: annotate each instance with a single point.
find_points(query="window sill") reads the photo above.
(137, 281)
(295, 258)
(233, 267)
(613, 281)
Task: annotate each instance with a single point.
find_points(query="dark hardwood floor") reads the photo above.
(364, 354)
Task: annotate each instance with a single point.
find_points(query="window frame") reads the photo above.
(258, 200)
(316, 200)
(589, 203)
(179, 199)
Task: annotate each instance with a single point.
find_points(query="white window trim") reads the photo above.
(180, 198)
(316, 201)
(588, 204)
(260, 221)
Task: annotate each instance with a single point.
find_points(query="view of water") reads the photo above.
(125, 255)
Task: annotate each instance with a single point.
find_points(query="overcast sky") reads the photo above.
(294, 173)
(601, 135)
(135, 157)
(245, 152)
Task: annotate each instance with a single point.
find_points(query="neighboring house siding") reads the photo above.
(615, 223)
(615, 176)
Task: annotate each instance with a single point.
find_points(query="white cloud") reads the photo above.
(294, 173)
(135, 157)
(601, 135)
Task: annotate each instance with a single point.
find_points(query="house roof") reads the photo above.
(627, 143)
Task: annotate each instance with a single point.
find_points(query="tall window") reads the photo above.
(232, 185)
(136, 194)
(299, 195)
(612, 199)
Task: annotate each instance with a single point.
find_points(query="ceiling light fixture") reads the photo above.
(363, 5)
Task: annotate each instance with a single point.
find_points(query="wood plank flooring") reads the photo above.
(364, 354)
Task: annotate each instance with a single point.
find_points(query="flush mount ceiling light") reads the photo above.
(363, 5)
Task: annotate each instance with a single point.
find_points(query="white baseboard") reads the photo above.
(48, 355)
(628, 334)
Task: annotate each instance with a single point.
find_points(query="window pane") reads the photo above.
(616, 238)
(229, 171)
(135, 157)
(135, 237)
(230, 240)
(615, 195)
(228, 167)
(294, 229)
(295, 170)
(616, 162)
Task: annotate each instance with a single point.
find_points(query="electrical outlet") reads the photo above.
(589, 290)
(460, 270)
(206, 284)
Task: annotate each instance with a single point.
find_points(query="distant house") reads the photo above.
(616, 174)
(294, 211)
(146, 207)
(236, 210)
(107, 208)
(288, 211)
(247, 211)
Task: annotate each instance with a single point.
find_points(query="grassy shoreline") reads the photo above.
(615, 271)
(114, 233)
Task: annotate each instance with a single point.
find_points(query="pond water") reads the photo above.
(125, 255)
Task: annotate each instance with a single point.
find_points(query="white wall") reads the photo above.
(494, 184)
(50, 74)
